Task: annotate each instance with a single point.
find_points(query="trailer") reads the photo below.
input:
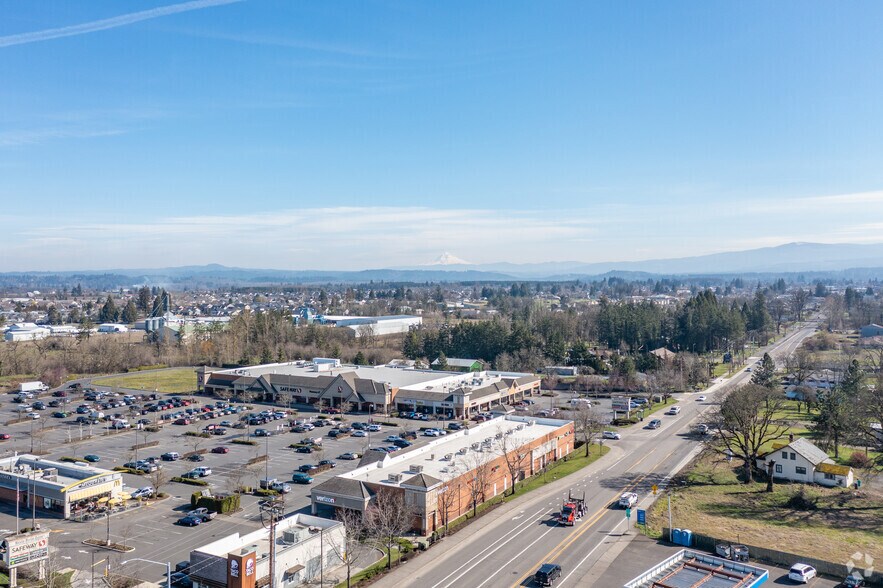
(572, 510)
(33, 387)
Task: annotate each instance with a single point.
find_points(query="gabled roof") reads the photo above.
(372, 456)
(804, 448)
(345, 487)
(459, 362)
(422, 481)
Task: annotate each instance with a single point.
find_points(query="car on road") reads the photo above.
(547, 574)
(611, 435)
(701, 398)
(189, 521)
(221, 449)
(191, 475)
(205, 514)
(654, 424)
(92, 458)
(628, 500)
(801, 573)
(702, 429)
(5, 436)
(301, 478)
(674, 410)
(348, 456)
(145, 492)
(171, 456)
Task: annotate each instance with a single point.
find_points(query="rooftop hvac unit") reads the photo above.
(447, 457)
(395, 478)
(474, 446)
(431, 456)
(531, 423)
(463, 450)
(520, 427)
(498, 435)
(290, 537)
(415, 469)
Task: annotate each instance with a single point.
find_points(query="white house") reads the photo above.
(801, 461)
(26, 332)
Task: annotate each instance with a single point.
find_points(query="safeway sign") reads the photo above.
(24, 549)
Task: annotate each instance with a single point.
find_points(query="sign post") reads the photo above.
(642, 519)
(655, 489)
(628, 516)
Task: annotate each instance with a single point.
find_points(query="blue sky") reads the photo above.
(300, 134)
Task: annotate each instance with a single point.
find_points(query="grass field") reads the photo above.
(839, 522)
(172, 380)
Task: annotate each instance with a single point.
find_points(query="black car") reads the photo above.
(455, 426)
(196, 457)
(304, 449)
(328, 462)
(547, 574)
(853, 581)
(360, 426)
(181, 580)
(402, 443)
(306, 468)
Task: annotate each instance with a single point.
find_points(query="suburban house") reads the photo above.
(801, 461)
(454, 364)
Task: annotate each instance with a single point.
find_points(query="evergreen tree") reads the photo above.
(765, 374)
(838, 407)
(109, 312)
(143, 300)
(130, 313)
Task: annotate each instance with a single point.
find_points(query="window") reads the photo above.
(778, 469)
(793, 456)
(784, 455)
(829, 476)
(800, 470)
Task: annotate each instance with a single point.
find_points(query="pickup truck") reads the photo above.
(203, 471)
(202, 513)
(274, 484)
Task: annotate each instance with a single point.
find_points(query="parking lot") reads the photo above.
(151, 529)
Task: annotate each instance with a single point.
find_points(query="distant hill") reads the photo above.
(817, 259)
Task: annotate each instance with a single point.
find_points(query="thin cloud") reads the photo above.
(109, 23)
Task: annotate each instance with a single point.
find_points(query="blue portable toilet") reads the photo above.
(687, 538)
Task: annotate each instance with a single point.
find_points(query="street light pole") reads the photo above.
(168, 565)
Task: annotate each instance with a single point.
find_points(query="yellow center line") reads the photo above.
(568, 541)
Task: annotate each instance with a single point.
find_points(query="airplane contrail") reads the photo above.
(108, 23)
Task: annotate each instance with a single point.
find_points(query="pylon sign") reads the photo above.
(24, 549)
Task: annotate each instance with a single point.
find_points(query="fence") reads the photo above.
(783, 558)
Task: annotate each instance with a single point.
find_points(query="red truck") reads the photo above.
(572, 509)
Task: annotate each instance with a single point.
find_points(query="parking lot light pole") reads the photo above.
(159, 563)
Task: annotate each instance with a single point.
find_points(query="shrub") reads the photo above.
(68, 459)
(195, 434)
(190, 481)
(802, 500)
(244, 442)
(128, 471)
(860, 460)
(265, 493)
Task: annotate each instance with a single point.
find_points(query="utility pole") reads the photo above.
(273, 509)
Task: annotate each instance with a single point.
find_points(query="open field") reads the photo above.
(833, 524)
(172, 380)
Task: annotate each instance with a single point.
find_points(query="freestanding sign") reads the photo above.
(642, 516)
(241, 572)
(25, 549)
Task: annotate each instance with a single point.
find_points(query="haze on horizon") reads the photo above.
(275, 134)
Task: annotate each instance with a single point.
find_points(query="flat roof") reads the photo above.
(406, 379)
(23, 466)
(521, 430)
(688, 568)
(260, 539)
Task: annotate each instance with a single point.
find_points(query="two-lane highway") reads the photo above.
(506, 547)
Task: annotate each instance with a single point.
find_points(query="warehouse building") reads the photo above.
(365, 326)
(329, 383)
(438, 479)
(63, 488)
(303, 545)
(26, 332)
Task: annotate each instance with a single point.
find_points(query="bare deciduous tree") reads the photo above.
(587, 424)
(510, 448)
(351, 546)
(746, 422)
(478, 464)
(158, 478)
(388, 516)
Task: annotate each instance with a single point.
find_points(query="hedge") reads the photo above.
(190, 481)
(218, 504)
(257, 459)
(195, 434)
(126, 470)
(244, 442)
(69, 459)
(265, 493)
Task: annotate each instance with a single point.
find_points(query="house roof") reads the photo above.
(345, 487)
(422, 481)
(833, 468)
(804, 448)
(459, 362)
(664, 354)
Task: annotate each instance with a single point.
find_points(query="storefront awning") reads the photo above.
(294, 569)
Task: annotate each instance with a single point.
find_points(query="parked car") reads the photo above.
(92, 458)
(432, 433)
(5, 436)
(181, 580)
(196, 457)
(853, 581)
(611, 435)
(192, 475)
(628, 500)
(221, 449)
(455, 426)
(301, 478)
(402, 444)
(171, 456)
(306, 468)
(262, 433)
(189, 521)
(392, 438)
(547, 574)
(203, 513)
(145, 492)
(59, 414)
(360, 434)
(701, 398)
(182, 566)
(328, 462)
(304, 449)
(373, 428)
(348, 456)
(802, 573)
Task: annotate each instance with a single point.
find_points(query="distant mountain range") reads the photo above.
(862, 261)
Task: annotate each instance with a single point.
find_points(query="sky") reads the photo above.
(350, 135)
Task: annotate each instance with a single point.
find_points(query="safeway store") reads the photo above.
(63, 488)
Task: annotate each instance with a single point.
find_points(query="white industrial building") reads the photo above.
(112, 328)
(26, 332)
(303, 546)
(362, 326)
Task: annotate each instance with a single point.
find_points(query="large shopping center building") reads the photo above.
(329, 383)
(62, 488)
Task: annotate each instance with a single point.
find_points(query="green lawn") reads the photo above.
(172, 380)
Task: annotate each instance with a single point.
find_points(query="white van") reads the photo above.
(578, 402)
(801, 573)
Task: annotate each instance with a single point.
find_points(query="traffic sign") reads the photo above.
(642, 516)
(654, 487)
(628, 513)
